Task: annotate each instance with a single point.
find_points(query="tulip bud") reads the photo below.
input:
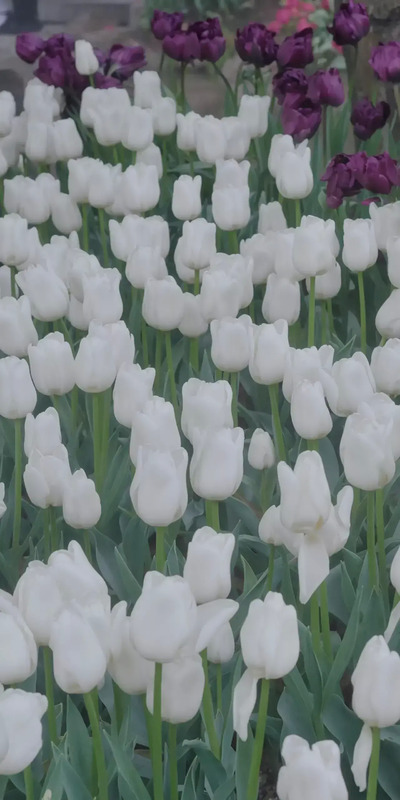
(79, 657)
(360, 250)
(310, 773)
(216, 468)
(147, 88)
(130, 671)
(385, 367)
(314, 246)
(377, 675)
(386, 222)
(182, 687)
(309, 363)
(198, 243)
(17, 392)
(20, 713)
(76, 578)
(164, 617)
(207, 567)
(33, 203)
(281, 300)
(17, 331)
(39, 600)
(65, 214)
(86, 62)
(46, 292)
(140, 188)
(210, 139)
(305, 493)
(336, 530)
(162, 306)
(387, 320)
(158, 491)
(144, 263)
(42, 432)
(310, 415)
(253, 112)
(271, 218)
(395, 571)
(101, 296)
(231, 208)
(280, 145)
(327, 285)
(80, 503)
(259, 250)
(192, 323)
(186, 131)
(151, 156)
(18, 647)
(122, 342)
(95, 369)
(186, 197)
(261, 453)
(220, 295)
(352, 382)
(237, 138)
(67, 141)
(52, 365)
(270, 348)
(366, 450)
(207, 406)
(14, 243)
(221, 647)
(294, 178)
(133, 388)
(231, 343)
(7, 111)
(164, 116)
(154, 427)
(45, 477)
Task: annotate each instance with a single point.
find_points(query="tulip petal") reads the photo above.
(361, 757)
(210, 617)
(244, 700)
(393, 621)
(313, 565)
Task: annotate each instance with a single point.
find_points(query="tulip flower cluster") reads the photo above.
(199, 426)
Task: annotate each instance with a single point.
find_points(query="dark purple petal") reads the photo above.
(106, 81)
(301, 117)
(122, 61)
(211, 39)
(29, 47)
(350, 24)
(385, 61)
(61, 43)
(182, 46)
(326, 87)
(164, 24)
(296, 50)
(290, 81)
(51, 70)
(368, 118)
(256, 45)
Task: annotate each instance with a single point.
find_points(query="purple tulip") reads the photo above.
(211, 39)
(29, 47)
(106, 81)
(378, 174)
(341, 179)
(164, 24)
(290, 82)
(326, 87)
(301, 117)
(61, 43)
(296, 50)
(51, 70)
(123, 61)
(368, 118)
(350, 24)
(182, 46)
(385, 61)
(256, 45)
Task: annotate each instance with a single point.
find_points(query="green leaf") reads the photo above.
(311, 665)
(389, 759)
(132, 587)
(189, 787)
(293, 717)
(74, 786)
(244, 752)
(212, 767)
(79, 744)
(249, 577)
(344, 653)
(127, 771)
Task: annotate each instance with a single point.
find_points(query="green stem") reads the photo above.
(13, 272)
(363, 311)
(171, 373)
(235, 390)
(380, 536)
(160, 549)
(173, 763)
(97, 400)
(196, 285)
(156, 736)
(85, 227)
(194, 354)
(326, 633)
(53, 529)
(233, 242)
(102, 777)
(29, 786)
(371, 540)
(119, 704)
(103, 235)
(158, 360)
(87, 545)
(48, 678)
(313, 444)
(17, 483)
(105, 433)
(183, 93)
(273, 390)
(311, 313)
(374, 765)
(219, 687)
(212, 514)
(298, 212)
(331, 325)
(271, 566)
(208, 710)
(252, 786)
(315, 628)
(227, 84)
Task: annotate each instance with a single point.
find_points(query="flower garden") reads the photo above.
(200, 435)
